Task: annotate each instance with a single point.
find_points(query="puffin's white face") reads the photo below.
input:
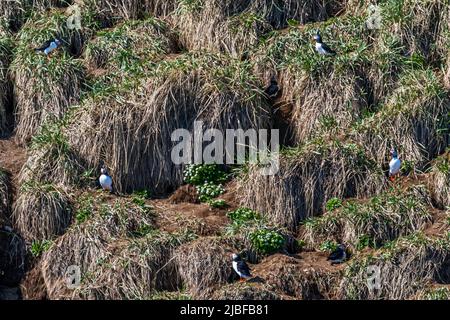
(103, 170)
(234, 256)
(316, 37)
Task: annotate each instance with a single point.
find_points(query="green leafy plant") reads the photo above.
(209, 191)
(85, 210)
(218, 203)
(328, 246)
(333, 204)
(267, 241)
(199, 174)
(365, 241)
(242, 215)
(39, 247)
(142, 231)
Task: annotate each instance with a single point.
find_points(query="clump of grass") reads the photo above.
(440, 180)
(436, 294)
(5, 85)
(374, 222)
(205, 263)
(414, 118)
(44, 88)
(41, 211)
(39, 247)
(309, 176)
(406, 267)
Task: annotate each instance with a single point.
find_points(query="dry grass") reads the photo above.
(5, 84)
(308, 177)
(102, 232)
(414, 119)
(41, 211)
(130, 128)
(43, 88)
(112, 11)
(407, 266)
(234, 27)
(205, 264)
(137, 270)
(440, 180)
(303, 278)
(372, 223)
(132, 41)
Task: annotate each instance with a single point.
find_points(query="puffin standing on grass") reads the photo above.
(105, 180)
(321, 47)
(49, 47)
(241, 268)
(395, 165)
(338, 256)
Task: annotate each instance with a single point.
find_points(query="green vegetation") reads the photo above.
(207, 178)
(85, 209)
(39, 247)
(267, 241)
(242, 216)
(218, 203)
(333, 204)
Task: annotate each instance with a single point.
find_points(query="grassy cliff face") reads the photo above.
(137, 70)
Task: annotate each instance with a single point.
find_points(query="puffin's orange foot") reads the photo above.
(241, 280)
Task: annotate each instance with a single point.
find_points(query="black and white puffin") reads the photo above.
(241, 268)
(338, 256)
(273, 89)
(49, 46)
(321, 47)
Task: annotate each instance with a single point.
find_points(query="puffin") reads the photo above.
(338, 256)
(394, 165)
(273, 89)
(241, 268)
(105, 180)
(49, 46)
(321, 47)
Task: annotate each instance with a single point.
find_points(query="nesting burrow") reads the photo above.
(5, 83)
(44, 87)
(440, 180)
(371, 223)
(129, 128)
(406, 266)
(308, 177)
(234, 27)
